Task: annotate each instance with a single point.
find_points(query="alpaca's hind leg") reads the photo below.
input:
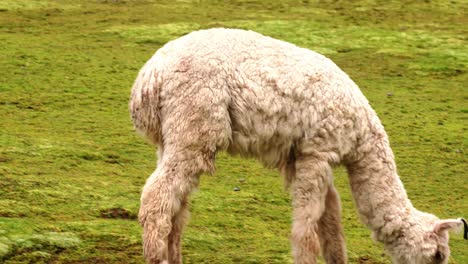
(195, 129)
(163, 203)
(178, 223)
(330, 230)
(309, 188)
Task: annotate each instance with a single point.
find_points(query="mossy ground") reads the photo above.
(71, 167)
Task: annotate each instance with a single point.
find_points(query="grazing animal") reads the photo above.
(292, 109)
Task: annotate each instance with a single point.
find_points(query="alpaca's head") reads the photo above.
(424, 241)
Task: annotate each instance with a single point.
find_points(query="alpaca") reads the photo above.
(292, 109)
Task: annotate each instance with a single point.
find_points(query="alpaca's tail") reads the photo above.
(144, 102)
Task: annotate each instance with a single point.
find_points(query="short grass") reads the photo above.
(71, 167)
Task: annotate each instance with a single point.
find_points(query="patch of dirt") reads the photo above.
(117, 213)
(365, 260)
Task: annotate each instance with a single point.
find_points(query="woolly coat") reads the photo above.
(262, 97)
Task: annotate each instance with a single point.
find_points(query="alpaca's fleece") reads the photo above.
(289, 107)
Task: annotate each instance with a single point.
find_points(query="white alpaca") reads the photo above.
(293, 109)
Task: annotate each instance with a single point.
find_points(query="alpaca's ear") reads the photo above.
(448, 224)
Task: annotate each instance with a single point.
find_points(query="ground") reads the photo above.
(72, 168)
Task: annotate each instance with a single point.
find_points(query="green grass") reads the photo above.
(71, 167)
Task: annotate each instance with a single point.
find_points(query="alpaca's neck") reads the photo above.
(379, 194)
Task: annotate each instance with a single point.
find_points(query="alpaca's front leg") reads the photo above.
(309, 188)
(162, 202)
(330, 230)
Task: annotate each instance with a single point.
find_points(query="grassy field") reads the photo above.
(71, 167)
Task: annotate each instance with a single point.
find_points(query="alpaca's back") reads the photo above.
(268, 95)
